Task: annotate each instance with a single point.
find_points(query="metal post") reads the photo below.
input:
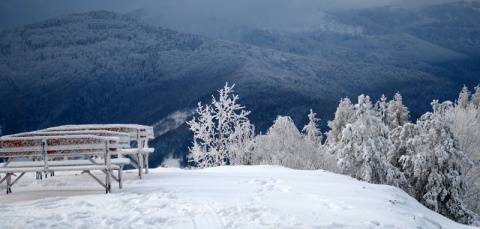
(146, 162)
(120, 177)
(9, 183)
(139, 155)
(108, 166)
(145, 146)
(45, 156)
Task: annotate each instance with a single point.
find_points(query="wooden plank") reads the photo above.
(58, 168)
(124, 138)
(75, 145)
(135, 131)
(19, 164)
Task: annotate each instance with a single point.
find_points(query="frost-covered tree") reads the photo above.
(203, 152)
(312, 133)
(476, 97)
(240, 140)
(381, 107)
(343, 115)
(466, 128)
(466, 123)
(403, 140)
(463, 98)
(434, 164)
(398, 114)
(397, 117)
(284, 145)
(222, 131)
(363, 148)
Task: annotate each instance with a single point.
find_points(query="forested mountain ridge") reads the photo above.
(103, 67)
(442, 40)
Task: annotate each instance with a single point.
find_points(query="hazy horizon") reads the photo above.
(196, 16)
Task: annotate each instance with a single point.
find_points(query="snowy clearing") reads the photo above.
(223, 197)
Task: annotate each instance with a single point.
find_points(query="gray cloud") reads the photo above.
(220, 18)
(20, 12)
(197, 16)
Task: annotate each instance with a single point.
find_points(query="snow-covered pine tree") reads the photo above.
(404, 143)
(363, 148)
(381, 107)
(434, 164)
(312, 133)
(463, 98)
(398, 114)
(284, 145)
(343, 115)
(476, 97)
(221, 131)
(397, 117)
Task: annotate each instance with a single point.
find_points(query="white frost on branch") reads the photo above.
(222, 132)
(312, 133)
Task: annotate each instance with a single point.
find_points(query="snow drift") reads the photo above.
(222, 197)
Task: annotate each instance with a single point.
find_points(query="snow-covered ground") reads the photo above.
(223, 197)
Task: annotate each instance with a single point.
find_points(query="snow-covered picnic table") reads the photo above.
(46, 148)
(138, 135)
(80, 148)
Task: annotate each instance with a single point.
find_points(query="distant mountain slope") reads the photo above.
(443, 40)
(102, 67)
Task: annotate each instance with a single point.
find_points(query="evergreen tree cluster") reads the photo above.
(435, 160)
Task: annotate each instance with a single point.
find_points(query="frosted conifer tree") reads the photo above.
(363, 148)
(403, 138)
(398, 114)
(312, 133)
(434, 164)
(284, 145)
(381, 107)
(221, 131)
(343, 115)
(476, 97)
(463, 98)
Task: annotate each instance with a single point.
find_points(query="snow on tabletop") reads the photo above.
(130, 128)
(223, 197)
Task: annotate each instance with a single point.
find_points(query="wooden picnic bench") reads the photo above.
(89, 147)
(124, 140)
(138, 134)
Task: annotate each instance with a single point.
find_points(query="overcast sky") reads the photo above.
(188, 15)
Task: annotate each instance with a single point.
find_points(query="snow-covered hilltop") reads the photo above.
(222, 197)
(105, 67)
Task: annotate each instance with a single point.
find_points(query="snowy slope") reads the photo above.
(225, 197)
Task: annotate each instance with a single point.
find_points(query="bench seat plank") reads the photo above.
(61, 168)
(18, 164)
